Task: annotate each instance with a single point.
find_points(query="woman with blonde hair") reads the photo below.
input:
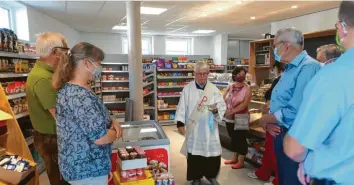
(84, 128)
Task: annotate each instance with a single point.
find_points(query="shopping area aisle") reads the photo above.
(227, 175)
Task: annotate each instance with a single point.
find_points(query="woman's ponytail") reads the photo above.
(64, 71)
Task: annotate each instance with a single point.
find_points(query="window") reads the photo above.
(178, 46)
(145, 46)
(4, 18)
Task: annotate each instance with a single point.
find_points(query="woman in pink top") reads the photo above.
(237, 98)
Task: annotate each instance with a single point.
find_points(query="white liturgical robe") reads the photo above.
(201, 138)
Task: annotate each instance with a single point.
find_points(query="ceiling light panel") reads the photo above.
(294, 6)
(152, 10)
(117, 27)
(204, 31)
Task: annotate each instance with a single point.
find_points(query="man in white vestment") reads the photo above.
(199, 110)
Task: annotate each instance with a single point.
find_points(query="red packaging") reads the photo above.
(131, 173)
(124, 174)
(139, 172)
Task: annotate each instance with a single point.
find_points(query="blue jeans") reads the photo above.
(102, 180)
(287, 168)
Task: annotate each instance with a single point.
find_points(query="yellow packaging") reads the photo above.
(148, 181)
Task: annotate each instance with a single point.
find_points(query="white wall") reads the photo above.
(158, 45)
(203, 46)
(309, 23)
(112, 43)
(39, 22)
(109, 43)
(238, 49)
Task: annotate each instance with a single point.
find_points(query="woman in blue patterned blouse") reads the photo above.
(85, 130)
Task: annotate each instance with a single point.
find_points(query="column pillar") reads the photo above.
(135, 58)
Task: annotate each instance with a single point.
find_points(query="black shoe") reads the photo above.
(197, 182)
(213, 181)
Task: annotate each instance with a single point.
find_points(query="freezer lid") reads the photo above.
(141, 133)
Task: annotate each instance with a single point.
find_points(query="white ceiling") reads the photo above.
(228, 17)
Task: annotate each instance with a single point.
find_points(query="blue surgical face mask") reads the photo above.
(96, 73)
(276, 56)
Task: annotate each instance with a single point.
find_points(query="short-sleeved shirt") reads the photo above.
(287, 94)
(41, 96)
(81, 118)
(325, 122)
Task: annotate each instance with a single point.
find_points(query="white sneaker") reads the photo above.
(252, 175)
(268, 183)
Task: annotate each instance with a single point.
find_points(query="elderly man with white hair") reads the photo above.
(287, 96)
(41, 97)
(200, 108)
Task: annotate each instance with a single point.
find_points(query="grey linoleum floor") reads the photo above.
(227, 175)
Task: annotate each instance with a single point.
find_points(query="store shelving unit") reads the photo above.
(149, 81)
(14, 141)
(111, 86)
(121, 70)
(19, 143)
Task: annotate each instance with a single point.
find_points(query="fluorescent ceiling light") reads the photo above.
(120, 27)
(253, 18)
(294, 6)
(124, 126)
(220, 9)
(152, 11)
(238, 2)
(204, 31)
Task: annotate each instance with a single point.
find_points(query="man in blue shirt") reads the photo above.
(322, 135)
(287, 96)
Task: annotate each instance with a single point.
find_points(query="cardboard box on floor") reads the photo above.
(12, 177)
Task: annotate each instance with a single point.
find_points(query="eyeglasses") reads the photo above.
(340, 22)
(61, 48)
(201, 74)
(275, 45)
